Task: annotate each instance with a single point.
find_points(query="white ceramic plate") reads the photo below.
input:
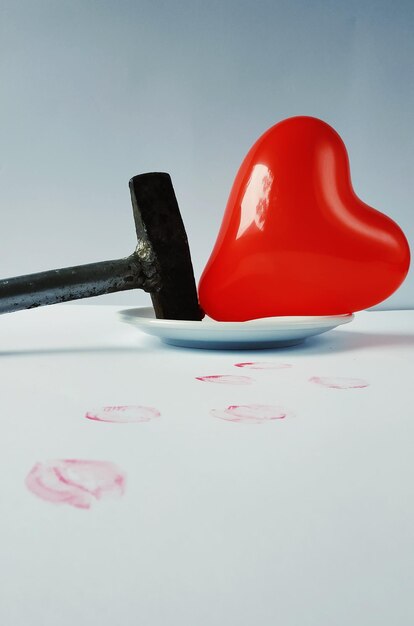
(269, 332)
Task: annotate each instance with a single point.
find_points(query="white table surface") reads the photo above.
(301, 521)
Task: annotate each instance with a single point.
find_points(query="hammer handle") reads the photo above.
(73, 283)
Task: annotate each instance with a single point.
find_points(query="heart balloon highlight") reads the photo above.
(295, 238)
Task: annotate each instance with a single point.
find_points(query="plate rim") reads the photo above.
(132, 314)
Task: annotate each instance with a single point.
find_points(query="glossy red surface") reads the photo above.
(295, 238)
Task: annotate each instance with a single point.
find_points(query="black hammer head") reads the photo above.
(163, 248)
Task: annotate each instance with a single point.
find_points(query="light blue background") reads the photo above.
(93, 92)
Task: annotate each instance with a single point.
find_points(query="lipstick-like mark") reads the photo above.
(250, 413)
(339, 382)
(265, 365)
(75, 482)
(123, 414)
(226, 380)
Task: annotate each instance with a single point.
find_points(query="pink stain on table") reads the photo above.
(265, 365)
(250, 413)
(226, 380)
(75, 482)
(339, 382)
(123, 414)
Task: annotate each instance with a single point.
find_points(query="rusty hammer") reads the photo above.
(160, 265)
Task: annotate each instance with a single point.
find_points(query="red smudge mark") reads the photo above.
(250, 413)
(75, 482)
(339, 382)
(267, 365)
(123, 414)
(226, 380)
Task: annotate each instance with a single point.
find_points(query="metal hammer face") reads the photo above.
(161, 263)
(163, 246)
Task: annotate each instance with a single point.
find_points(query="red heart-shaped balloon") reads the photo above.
(295, 238)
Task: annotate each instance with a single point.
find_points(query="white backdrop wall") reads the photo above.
(95, 91)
